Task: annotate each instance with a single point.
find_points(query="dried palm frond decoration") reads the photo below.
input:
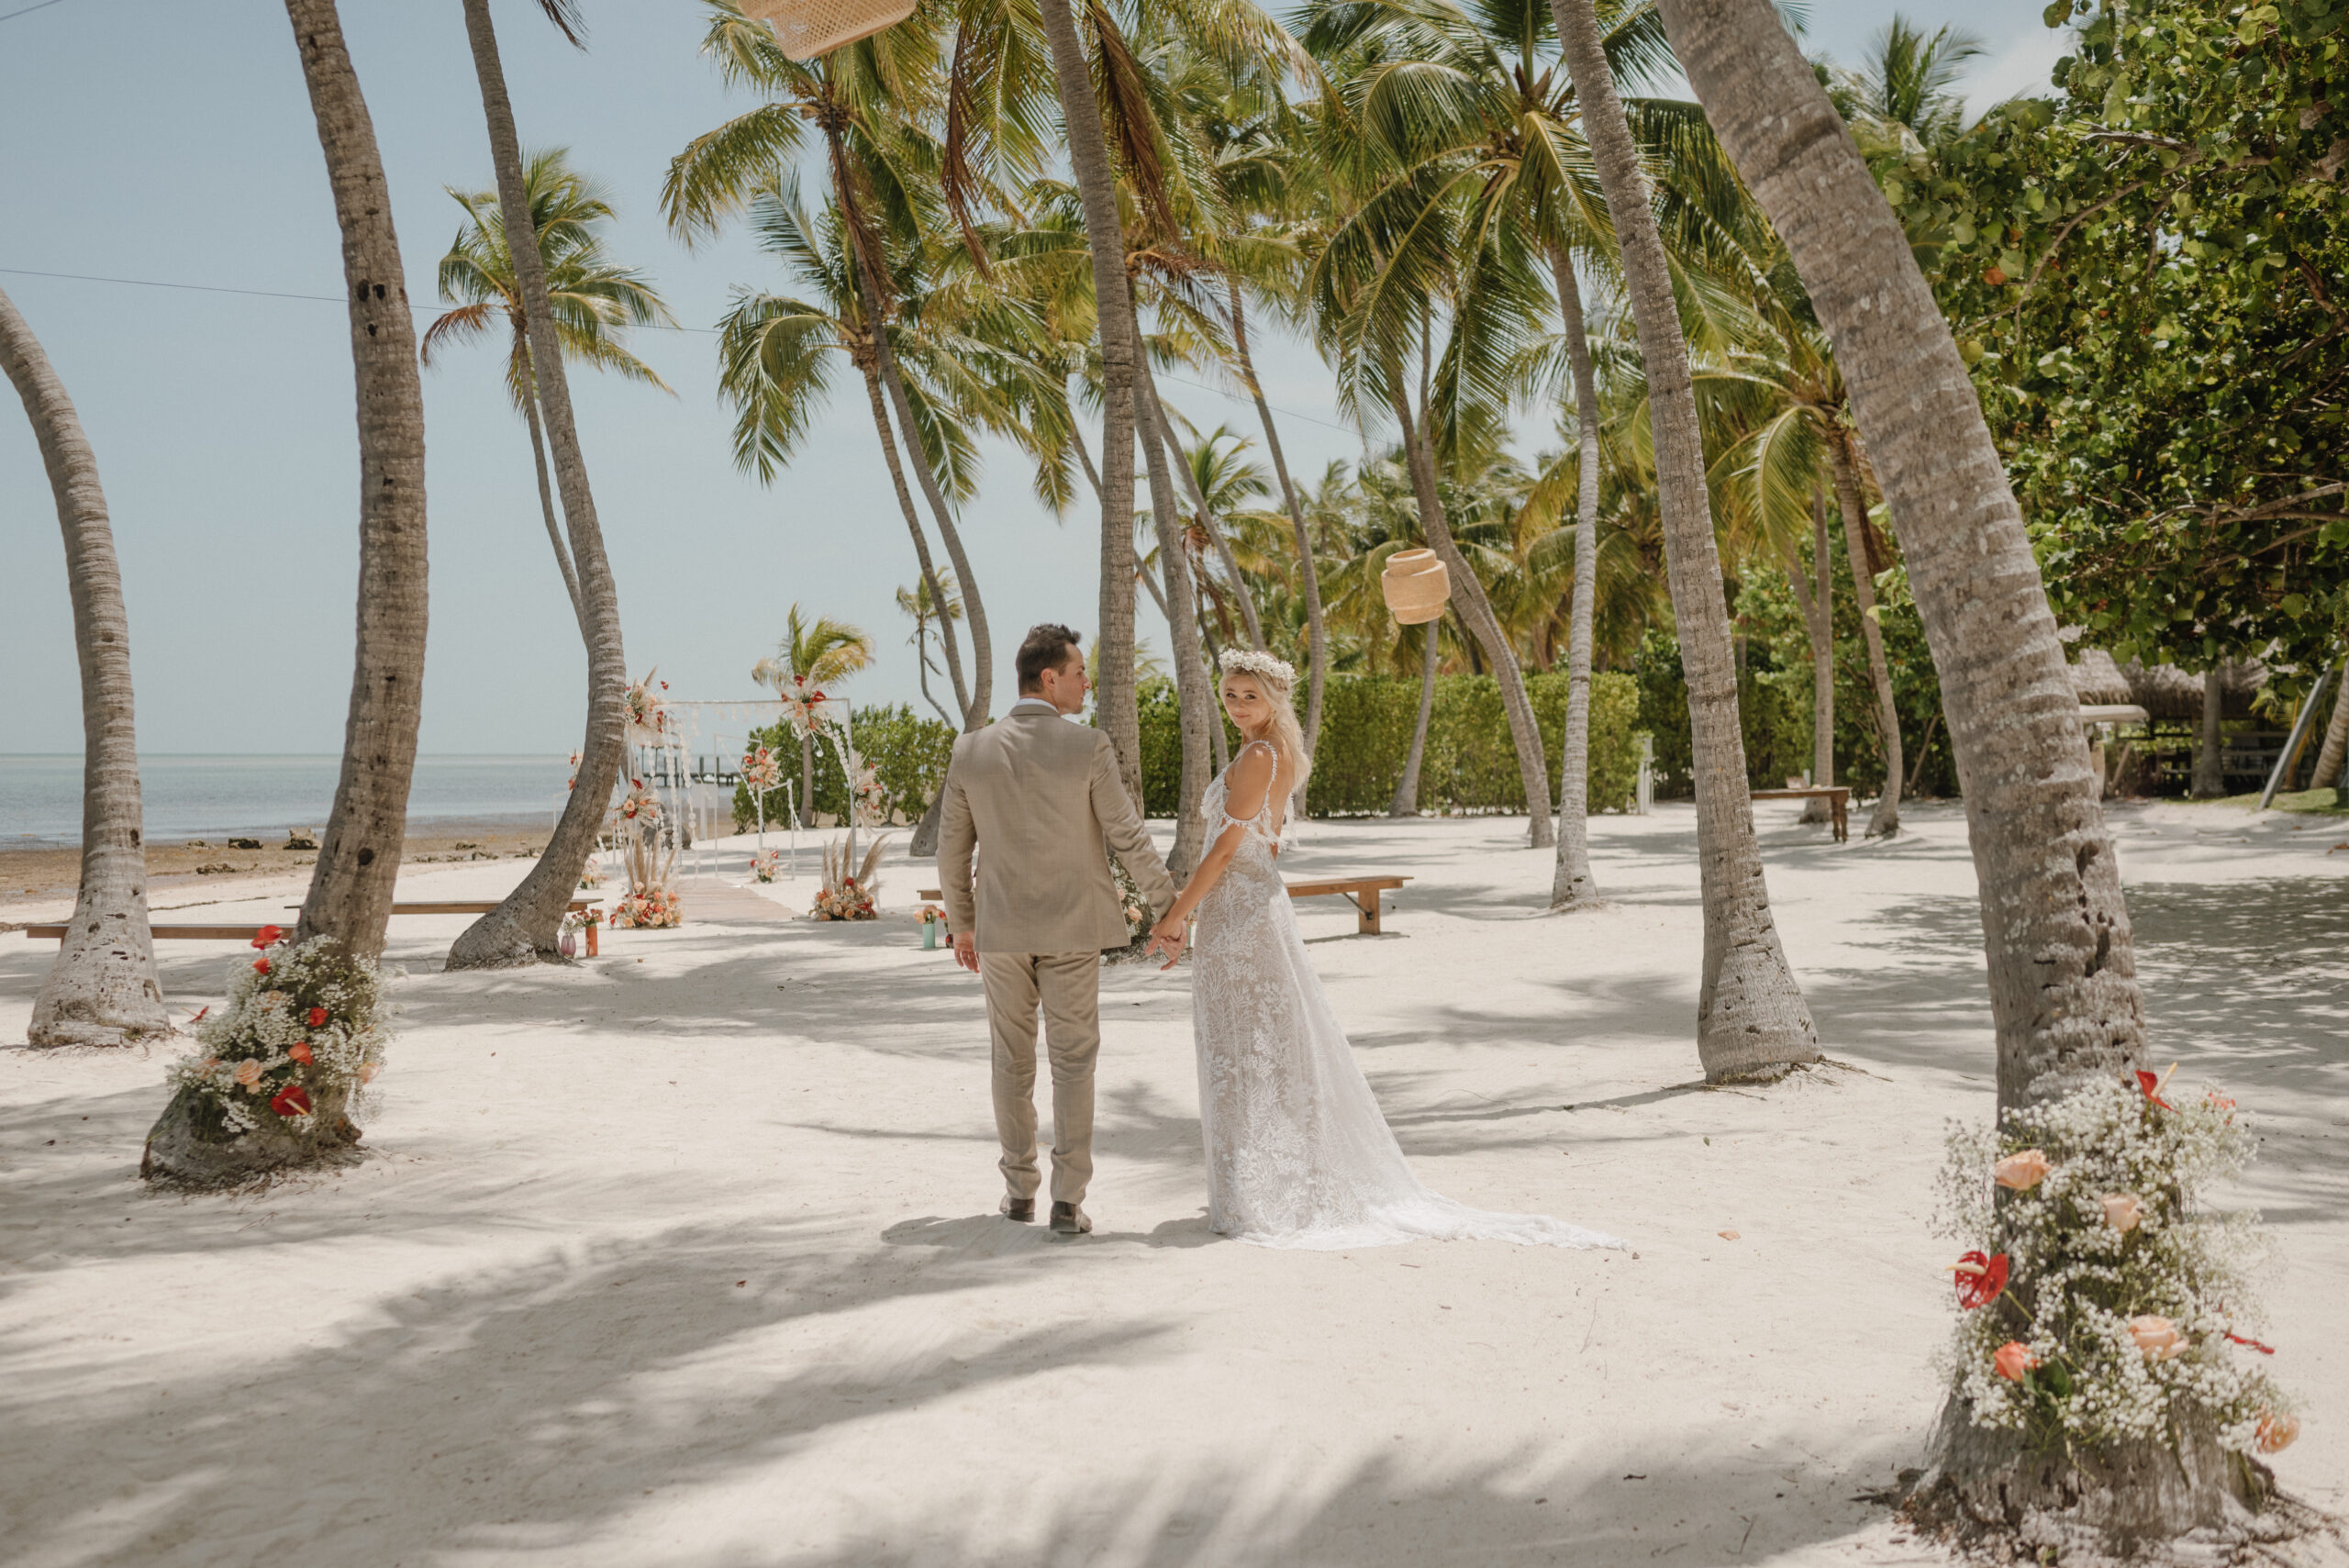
(806, 28)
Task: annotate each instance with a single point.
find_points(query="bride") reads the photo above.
(1298, 1154)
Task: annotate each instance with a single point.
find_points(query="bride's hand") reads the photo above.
(1169, 936)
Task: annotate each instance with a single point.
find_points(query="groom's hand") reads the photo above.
(1168, 937)
(966, 950)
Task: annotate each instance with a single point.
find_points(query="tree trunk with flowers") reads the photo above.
(2063, 995)
(526, 926)
(102, 990)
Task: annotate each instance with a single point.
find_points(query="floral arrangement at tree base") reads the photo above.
(650, 901)
(277, 1067)
(2106, 1374)
(849, 895)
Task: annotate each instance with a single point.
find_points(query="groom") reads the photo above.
(1043, 797)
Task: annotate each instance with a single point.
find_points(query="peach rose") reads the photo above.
(367, 1070)
(248, 1075)
(2277, 1431)
(2014, 1358)
(300, 1052)
(2023, 1171)
(2121, 1211)
(2157, 1337)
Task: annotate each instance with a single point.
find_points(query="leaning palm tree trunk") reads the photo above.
(963, 704)
(350, 899)
(1884, 821)
(1315, 638)
(1207, 520)
(525, 926)
(547, 511)
(1192, 697)
(2063, 995)
(1573, 887)
(1407, 788)
(980, 698)
(102, 990)
(1114, 702)
(1751, 1016)
(1476, 610)
(1819, 628)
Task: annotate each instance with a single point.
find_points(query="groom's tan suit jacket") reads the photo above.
(1042, 797)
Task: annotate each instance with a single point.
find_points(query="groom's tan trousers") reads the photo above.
(1067, 988)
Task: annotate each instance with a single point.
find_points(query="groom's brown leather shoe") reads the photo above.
(1022, 1209)
(1070, 1220)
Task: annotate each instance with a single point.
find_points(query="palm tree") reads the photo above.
(863, 100)
(594, 300)
(1903, 98)
(350, 900)
(102, 990)
(1751, 1016)
(2064, 997)
(524, 927)
(819, 654)
(776, 350)
(1782, 380)
(916, 602)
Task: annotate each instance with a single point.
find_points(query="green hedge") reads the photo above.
(1471, 764)
(909, 754)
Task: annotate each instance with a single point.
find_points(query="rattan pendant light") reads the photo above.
(806, 28)
(1416, 585)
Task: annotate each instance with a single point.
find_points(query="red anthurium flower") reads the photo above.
(267, 936)
(300, 1052)
(2254, 1344)
(1980, 1278)
(318, 1017)
(2152, 1085)
(291, 1100)
(261, 966)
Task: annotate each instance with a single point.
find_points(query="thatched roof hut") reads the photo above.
(2163, 691)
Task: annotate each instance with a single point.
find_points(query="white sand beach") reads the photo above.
(688, 1255)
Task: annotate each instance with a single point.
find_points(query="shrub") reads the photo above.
(907, 753)
(1471, 760)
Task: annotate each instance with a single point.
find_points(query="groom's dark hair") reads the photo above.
(1047, 648)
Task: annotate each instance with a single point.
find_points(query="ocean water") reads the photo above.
(211, 796)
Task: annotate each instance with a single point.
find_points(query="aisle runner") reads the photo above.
(722, 901)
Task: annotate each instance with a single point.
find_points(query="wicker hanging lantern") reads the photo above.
(1416, 585)
(806, 28)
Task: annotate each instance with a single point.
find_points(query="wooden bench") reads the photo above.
(463, 907)
(56, 932)
(1363, 891)
(1835, 795)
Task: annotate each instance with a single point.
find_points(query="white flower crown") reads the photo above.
(1278, 671)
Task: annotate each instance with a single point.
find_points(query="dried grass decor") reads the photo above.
(848, 895)
(806, 28)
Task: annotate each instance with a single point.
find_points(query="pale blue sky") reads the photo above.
(157, 139)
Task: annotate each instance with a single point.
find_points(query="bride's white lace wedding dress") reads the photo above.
(1298, 1154)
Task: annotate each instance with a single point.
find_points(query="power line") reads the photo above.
(40, 6)
(337, 299)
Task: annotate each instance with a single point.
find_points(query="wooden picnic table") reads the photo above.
(1835, 795)
(1363, 891)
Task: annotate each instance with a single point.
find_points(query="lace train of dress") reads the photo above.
(1299, 1153)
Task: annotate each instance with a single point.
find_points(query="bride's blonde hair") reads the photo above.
(1278, 679)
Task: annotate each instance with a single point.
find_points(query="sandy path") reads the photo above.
(688, 1256)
